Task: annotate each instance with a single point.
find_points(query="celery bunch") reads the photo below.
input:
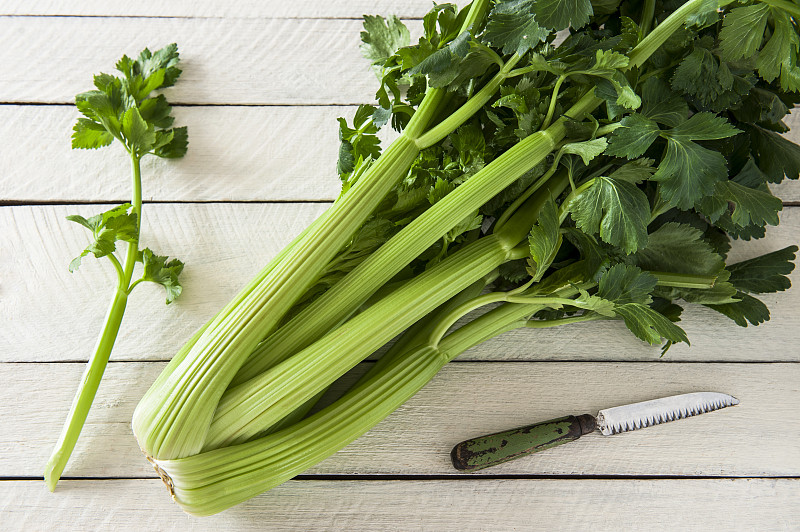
(599, 178)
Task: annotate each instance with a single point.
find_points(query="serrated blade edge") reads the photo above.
(649, 413)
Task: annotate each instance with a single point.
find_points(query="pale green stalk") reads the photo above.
(173, 417)
(96, 366)
(212, 481)
(247, 409)
(250, 408)
(356, 287)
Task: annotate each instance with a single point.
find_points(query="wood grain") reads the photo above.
(235, 153)
(452, 505)
(756, 438)
(52, 315)
(224, 61)
(262, 75)
(231, 9)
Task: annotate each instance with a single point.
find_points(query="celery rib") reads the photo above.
(352, 291)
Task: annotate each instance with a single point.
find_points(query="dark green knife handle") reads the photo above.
(500, 447)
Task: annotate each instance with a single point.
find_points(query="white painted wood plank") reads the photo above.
(231, 9)
(756, 438)
(231, 61)
(224, 245)
(235, 153)
(442, 506)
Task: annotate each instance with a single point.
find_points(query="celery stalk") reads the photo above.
(173, 417)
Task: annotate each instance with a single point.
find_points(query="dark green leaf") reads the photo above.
(702, 76)
(670, 310)
(562, 14)
(663, 105)
(649, 325)
(617, 210)
(632, 139)
(634, 171)
(778, 57)
(776, 156)
(175, 146)
(626, 284)
(752, 206)
(764, 274)
(156, 111)
(513, 27)
(544, 239)
(679, 248)
(748, 309)
(688, 171)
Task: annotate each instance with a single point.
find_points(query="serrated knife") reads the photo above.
(493, 449)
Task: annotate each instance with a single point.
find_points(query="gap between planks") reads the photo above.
(444, 506)
(273, 9)
(457, 477)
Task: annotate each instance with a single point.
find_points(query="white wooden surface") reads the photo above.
(464, 400)
(436, 505)
(224, 244)
(266, 80)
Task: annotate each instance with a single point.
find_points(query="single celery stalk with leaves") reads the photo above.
(122, 108)
(601, 177)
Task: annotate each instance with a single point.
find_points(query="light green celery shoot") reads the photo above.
(121, 108)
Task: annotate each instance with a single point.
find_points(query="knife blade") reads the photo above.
(493, 449)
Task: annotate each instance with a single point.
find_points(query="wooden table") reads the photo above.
(262, 85)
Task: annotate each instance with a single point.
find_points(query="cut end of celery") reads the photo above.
(51, 478)
(165, 478)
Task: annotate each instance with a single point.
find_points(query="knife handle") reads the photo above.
(493, 449)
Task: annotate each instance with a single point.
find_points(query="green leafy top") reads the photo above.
(676, 164)
(123, 108)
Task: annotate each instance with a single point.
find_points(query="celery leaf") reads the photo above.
(766, 273)
(562, 14)
(513, 27)
(117, 224)
(382, 38)
(544, 240)
(679, 248)
(623, 284)
(689, 171)
(649, 325)
(747, 309)
(159, 270)
(616, 209)
(634, 137)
